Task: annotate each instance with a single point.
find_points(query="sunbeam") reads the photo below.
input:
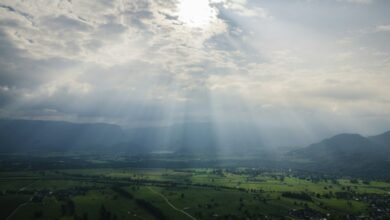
(194, 109)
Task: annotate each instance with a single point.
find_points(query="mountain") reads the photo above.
(49, 136)
(184, 138)
(382, 140)
(348, 153)
(344, 147)
(197, 138)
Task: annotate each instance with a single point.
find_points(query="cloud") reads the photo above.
(241, 8)
(13, 10)
(360, 1)
(140, 63)
(63, 23)
(383, 28)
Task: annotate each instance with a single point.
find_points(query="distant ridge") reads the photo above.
(351, 153)
(187, 138)
(32, 135)
(382, 139)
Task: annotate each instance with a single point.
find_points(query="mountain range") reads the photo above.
(344, 152)
(186, 138)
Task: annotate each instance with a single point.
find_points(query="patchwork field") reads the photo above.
(186, 194)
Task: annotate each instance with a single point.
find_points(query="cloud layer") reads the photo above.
(278, 64)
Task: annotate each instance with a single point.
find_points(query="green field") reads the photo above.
(186, 194)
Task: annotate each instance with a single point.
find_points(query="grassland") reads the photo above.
(186, 194)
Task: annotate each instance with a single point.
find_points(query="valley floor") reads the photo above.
(128, 193)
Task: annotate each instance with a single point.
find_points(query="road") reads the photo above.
(21, 205)
(171, 205)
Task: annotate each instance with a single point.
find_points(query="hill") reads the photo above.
(348, 153)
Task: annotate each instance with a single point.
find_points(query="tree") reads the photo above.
(85, 216)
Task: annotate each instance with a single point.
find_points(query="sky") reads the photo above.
(306, 67)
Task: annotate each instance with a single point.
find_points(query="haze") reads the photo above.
(296, 71)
